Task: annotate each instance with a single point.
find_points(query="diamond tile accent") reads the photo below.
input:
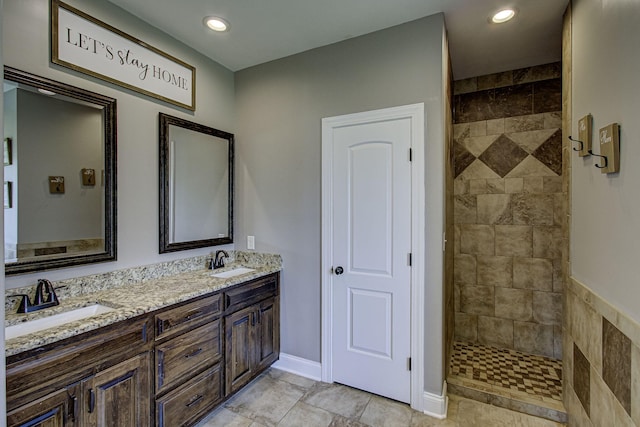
(462, 158)
(503, 155)
(550, 152)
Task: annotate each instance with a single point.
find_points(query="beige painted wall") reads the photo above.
(605, 230)
(280, 106)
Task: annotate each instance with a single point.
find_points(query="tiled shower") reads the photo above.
(509, 207)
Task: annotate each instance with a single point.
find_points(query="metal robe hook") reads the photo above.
(579, 142)
(606, 161)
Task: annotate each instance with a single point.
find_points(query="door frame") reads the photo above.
(414, 112)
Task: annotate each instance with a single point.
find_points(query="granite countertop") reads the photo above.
(128, 302)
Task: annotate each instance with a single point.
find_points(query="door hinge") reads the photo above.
(410, 154)
(408, 363)
(410, 259)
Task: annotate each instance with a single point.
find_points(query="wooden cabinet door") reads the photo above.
(53, 410)
(119, 396)
(268, 333)
(240, 349)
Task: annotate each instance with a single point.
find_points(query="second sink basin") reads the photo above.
(48, 322)
(231, 273)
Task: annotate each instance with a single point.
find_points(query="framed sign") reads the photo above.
(83, 43)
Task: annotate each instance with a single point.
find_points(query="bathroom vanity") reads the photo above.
(171, 351)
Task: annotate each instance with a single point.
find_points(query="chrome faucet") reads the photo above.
(40, 301)
(218, 262)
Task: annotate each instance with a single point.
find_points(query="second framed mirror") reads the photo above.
(196, 185)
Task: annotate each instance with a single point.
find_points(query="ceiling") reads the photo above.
(265, 30)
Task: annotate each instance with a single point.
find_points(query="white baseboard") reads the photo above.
(299, 366)
(436, 405)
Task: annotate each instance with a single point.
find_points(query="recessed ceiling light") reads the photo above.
(503, 16)
(46, 92)
(216, 23)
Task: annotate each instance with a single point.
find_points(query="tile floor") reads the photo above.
(508, 369)
(278, 398)
(509, 379)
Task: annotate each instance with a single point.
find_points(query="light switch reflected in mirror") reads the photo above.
(196, 185)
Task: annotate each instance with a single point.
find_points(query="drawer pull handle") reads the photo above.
(192, 315)
(194, 400)
(194, 353)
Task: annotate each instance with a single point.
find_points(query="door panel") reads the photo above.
(370, 217)
(371, 240)
(370, 322)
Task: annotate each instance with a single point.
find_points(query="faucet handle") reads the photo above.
(46, 286)
(25, 303)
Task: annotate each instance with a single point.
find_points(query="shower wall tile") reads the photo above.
(465, 209)
(477, 300)
(465, 271)
(533, 184)
(492, 81)
(495, 186)
(524, 123)
(495, 126)
(515, 304)
(635, 384)
(546, 242)
(602, 400)
(513, 240)
(540, 72)
(605, 360)
(547, 96)
(494, 209)
(533, 209)
(477, 186)
(533, 338)
(501, 193)
(616, 363)
(547, 308)
(477, 239)
(582, 378)
(495, 271)
(533, 273)
(495, 332)
(466, 327)
(513, 185)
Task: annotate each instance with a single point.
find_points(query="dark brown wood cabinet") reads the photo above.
(118, 396)
(53, 410)
(79, 381)
(166, 368)
(252, 334)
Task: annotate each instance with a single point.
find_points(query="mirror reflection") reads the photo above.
(59, 155)
(196, 185)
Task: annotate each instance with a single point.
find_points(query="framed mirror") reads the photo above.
(196, 185)
(60, 174)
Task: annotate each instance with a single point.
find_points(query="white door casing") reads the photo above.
(373, 217)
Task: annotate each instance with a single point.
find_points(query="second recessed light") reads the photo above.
(216, 23)
(503, 16)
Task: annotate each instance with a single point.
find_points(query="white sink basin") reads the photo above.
(54, 320)
(231, 273)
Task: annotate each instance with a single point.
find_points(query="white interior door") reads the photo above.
(371, 246)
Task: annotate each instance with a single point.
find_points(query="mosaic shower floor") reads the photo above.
(508, 378)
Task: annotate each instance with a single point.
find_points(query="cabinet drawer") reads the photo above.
(250, 293)
(186, 404)
(187, 353)
(181, 318)
(35, 373)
